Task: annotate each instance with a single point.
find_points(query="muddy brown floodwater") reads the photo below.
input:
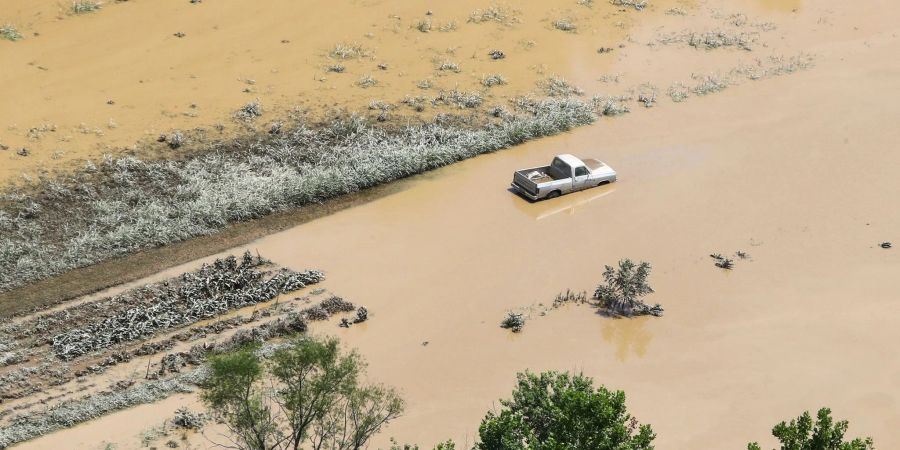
(800, 172)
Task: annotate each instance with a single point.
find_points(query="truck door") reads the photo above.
(580, 180)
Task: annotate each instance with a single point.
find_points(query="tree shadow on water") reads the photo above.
(629, 336)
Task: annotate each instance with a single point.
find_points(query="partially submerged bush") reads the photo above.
(513, 321)
(495, 13)
(679, 92)
(565, 24)
(458, 99)
(823, 434)
(423, 25)
(366, 81)
(250, 111)
(636, 4)
(559, 87)
(493, 80)
(610, 106)
(720, 38)
(709, 84)
(10, 33)
(349, 51)
(622, 289)
(175, 140)
(185, 418)
(85, 6)
(646, 94)
(448, 66)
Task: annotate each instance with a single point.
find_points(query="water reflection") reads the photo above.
(629, 336)
(566, 204)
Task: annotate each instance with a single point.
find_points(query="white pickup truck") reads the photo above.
(565, 174)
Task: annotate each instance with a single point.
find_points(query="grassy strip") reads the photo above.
(71, 413)
(123, 205)
(206, 293)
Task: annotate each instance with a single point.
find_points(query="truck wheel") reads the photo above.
(553, 194)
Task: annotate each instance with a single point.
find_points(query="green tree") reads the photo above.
(448, 445)
(623, 288)
(557, 411)
(307, 393)
(825, 434)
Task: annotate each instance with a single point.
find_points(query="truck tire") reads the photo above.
(553, 194)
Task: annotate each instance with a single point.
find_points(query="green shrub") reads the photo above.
(552, 410)
(825, 434)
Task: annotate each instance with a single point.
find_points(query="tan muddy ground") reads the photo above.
(798, 171)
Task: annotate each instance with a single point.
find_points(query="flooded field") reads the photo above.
(798, 171)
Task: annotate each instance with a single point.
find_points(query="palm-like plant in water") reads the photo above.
(623, 287)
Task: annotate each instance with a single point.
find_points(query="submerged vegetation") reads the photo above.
(10, 33)
(622, 289)
(121, 205)
(638, 5)
(208, 292)
(85, 6)
(513, 321)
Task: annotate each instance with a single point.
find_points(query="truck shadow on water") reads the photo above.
(571, 203)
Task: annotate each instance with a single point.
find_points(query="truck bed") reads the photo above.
(545, 170)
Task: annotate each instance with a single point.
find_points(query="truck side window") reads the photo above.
(581, 171)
